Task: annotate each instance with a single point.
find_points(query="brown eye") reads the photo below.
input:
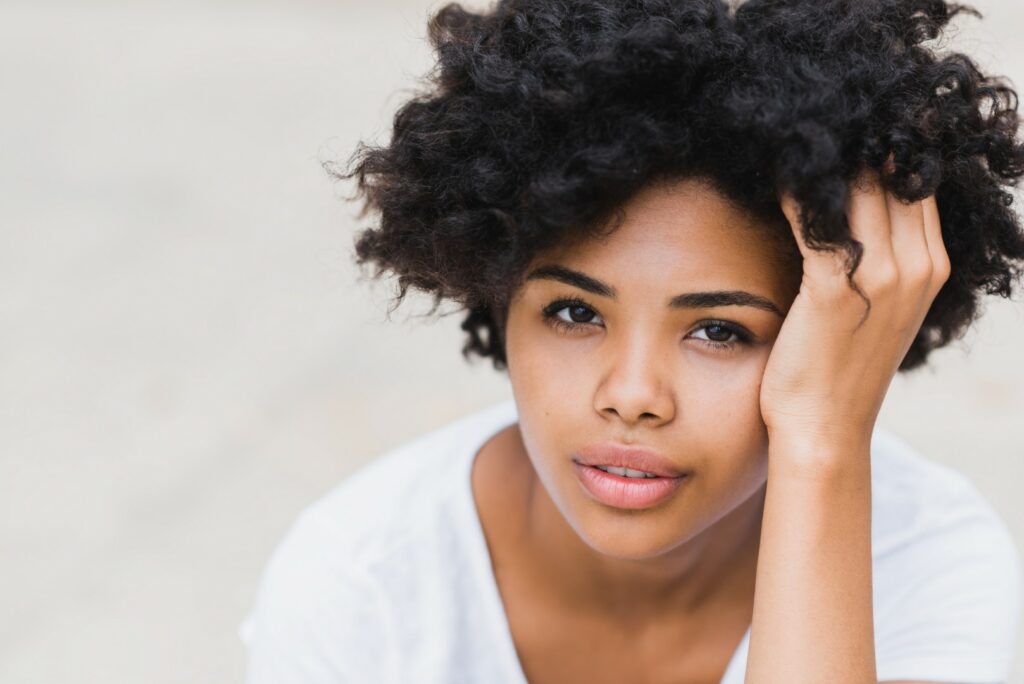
(580, 314)
(571, 314)
(718, 333)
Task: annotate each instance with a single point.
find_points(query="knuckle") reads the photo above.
(881, 279)
(942, 270)
(921, 271)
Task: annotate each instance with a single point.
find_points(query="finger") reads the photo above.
(913, 261)
(790, 208)
(909, 246)
(936, 245)
(816, 262)
(868, 215)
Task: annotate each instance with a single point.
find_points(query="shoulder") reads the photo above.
(399, 494)
(324, 608)
(316, 618)
(386, 502)
(947, 571)
(916, 499)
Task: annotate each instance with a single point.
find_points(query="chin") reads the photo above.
(629, 535)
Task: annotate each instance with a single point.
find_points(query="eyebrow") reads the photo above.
(688, 300)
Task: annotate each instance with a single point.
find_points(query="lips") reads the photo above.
(617, 455)
(625, 492)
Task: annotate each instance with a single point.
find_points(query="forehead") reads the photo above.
(685, 231)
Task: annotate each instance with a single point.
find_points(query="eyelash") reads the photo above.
(551, 311)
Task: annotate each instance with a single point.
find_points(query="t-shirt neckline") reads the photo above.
(498, 418)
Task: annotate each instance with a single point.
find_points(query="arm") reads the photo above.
(813, 617)
(826, 377)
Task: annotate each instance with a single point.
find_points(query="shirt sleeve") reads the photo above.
(317, 619)
(955, 614)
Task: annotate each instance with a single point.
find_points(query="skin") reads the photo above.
(634, 370)
(639, 372)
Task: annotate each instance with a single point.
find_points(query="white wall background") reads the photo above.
(186, 357)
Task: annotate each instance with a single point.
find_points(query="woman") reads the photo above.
(701, 242)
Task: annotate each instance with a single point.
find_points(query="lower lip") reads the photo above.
(627, 492)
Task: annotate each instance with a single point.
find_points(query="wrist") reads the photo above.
(818, 457)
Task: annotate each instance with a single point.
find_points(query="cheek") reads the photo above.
(721, 405)
(725, 392)
(543, 368)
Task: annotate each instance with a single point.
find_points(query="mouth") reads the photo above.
(609, 486)
(628, 461)
(627, 472)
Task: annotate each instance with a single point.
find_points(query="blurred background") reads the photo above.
(187, 356)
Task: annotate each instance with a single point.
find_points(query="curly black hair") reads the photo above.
(541, 119)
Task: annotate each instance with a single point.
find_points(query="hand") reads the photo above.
(827, 373)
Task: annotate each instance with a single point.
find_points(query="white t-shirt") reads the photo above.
(387, 577)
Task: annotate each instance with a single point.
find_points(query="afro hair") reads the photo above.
(541, 119)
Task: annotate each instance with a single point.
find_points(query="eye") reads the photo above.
(578, 314)
(718, 334)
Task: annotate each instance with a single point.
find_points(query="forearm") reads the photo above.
(813, 618)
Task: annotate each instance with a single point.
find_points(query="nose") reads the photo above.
(636, 387)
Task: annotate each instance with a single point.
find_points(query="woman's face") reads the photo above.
(622, 365)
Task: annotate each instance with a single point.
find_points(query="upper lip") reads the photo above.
(622, 456)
